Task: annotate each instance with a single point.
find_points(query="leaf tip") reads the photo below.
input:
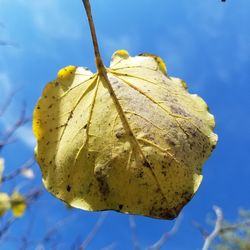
(66, 72)
(121, 53)
(161, 64)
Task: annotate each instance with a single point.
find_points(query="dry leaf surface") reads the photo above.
(137, 149)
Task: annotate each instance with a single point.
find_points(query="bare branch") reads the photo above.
(7, 103)
(94, 231)
(202, 230)
(8, 43)
(157, 245)
(6, 227)
(33, 195)
(7, 138)
(110, 246)
(234, 227)
(54, 229)
(28, 164)
(218, 225)
(132, 225)
(29, 197)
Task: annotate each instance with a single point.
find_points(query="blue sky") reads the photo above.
(206, 43)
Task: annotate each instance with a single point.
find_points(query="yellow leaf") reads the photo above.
(136, 148)
(18, 204)
(4, 203)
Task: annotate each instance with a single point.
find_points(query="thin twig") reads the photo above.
(158, 244)
(26, 240)
(110, 246)
(8, 43)
(218, 225)
(54, 229)
(6, 226)
(29, 198)
(94, 231)
(132, 226)
(33, 195)
(7, 102)
(202, 230)
(234, 227)
(27, 165)
(19, 123)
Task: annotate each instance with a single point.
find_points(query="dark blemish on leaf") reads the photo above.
(146, 164)
(68, 188)
(50, 106)
(101, 177)
(120, 206)
(70, 114)
(89, 187)
(130, 133)
(50, 162)
(119, 134)
(56, 84)
(50, 130)
(139, 174)
(85, 126)
(38, 107)
(178, 110)
(170, 142)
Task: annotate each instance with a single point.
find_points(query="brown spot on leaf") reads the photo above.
(178, 110)
(68, 188)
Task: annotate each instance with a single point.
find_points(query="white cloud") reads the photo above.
(52, 18)
(25, 135)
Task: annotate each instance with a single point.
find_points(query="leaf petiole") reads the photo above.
(98, 60)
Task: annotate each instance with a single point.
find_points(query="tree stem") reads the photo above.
(98, 60)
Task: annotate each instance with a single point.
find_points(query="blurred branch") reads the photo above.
(27, 165)
(203, 231)
(7, 103)
(218, 225)
(132, 226)
(234, 227)
(157, 245)
(54, 229)
(110, 246)
(8, 43)
(6, 227)
(33, 195)
(94, 231)
(29, 197)
(7, 138)
(26, 239)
